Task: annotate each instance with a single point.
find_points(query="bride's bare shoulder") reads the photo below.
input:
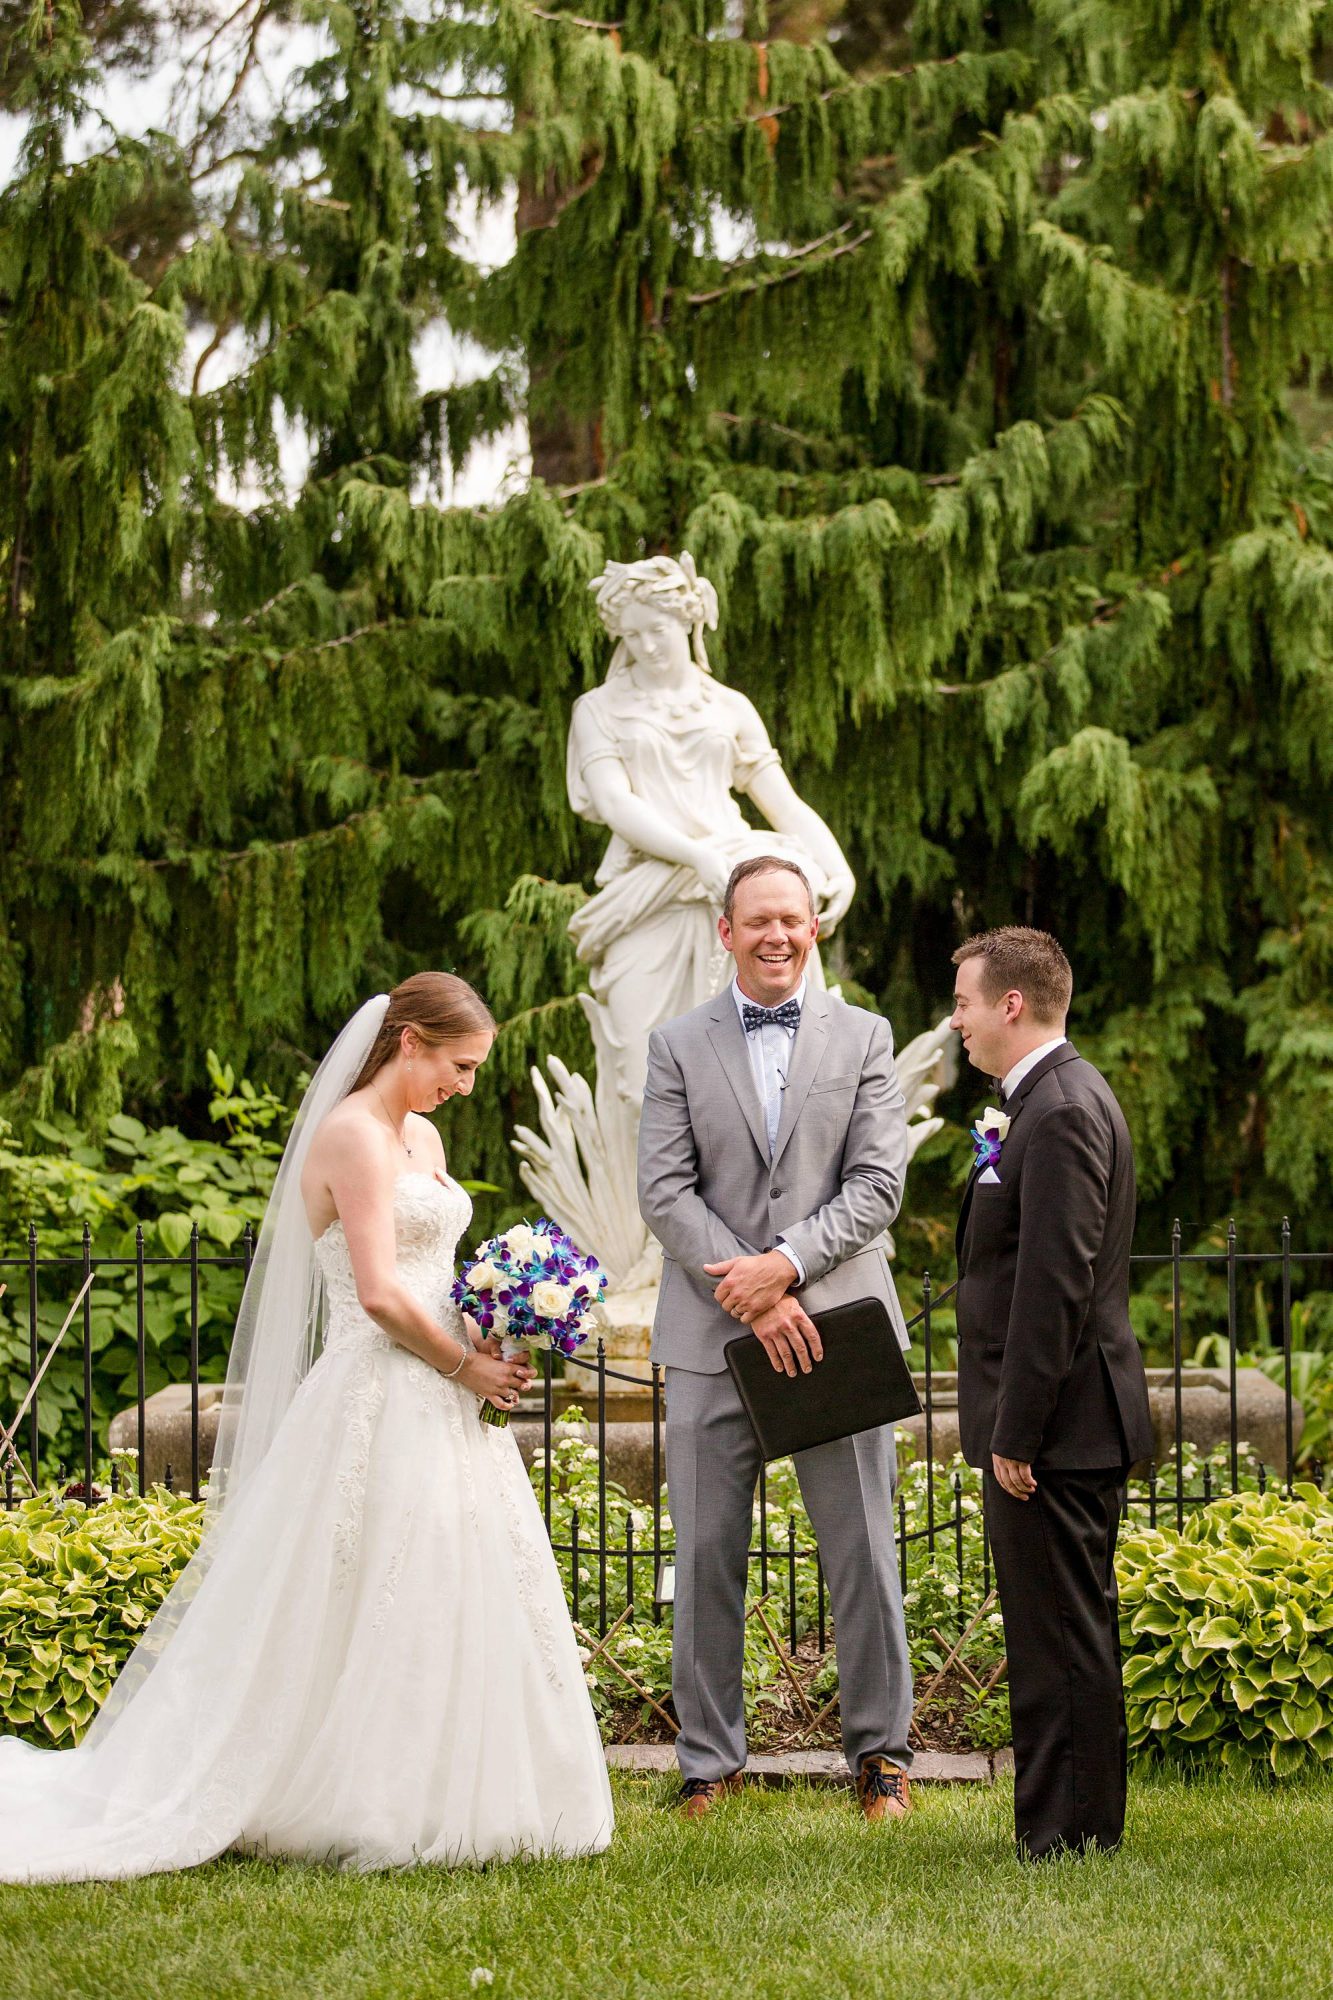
(350, 1128)
(420, 1131)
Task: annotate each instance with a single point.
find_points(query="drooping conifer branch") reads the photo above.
(1022, 551)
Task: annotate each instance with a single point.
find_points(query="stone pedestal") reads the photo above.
(167, 1432)
(1205, 1399)
(1205, 1414)
(627, 1329)
(629, 1449)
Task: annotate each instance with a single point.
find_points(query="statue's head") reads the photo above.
(656, 611)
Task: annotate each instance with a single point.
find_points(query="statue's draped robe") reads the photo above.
(649, 936)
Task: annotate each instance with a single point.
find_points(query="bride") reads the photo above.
(369, 1662)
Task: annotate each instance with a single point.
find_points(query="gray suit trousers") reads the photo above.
(713, 1462)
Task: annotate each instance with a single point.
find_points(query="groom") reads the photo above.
(1052, 1397)
(772, 1151)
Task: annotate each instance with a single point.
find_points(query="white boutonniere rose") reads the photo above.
(988, 1135)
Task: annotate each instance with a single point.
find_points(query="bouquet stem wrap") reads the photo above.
(512, 1350)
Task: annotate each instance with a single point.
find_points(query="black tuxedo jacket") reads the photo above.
(1049, 1370)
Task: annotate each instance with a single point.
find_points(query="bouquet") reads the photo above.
(533, 1287)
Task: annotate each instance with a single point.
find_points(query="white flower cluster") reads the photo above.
(552, 1300)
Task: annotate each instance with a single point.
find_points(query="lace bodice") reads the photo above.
(429, 1218)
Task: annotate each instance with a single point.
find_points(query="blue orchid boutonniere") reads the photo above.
(988, 1135)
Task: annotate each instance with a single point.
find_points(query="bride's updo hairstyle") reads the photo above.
(439, 1005)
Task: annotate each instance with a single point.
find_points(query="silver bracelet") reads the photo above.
(449, 1373)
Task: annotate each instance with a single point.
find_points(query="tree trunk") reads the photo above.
(566, 449)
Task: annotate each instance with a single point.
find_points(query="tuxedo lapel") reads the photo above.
(806, 1056)
(1065, 1053)
(728, 1039)
(1013, 1109)
(965, 1209)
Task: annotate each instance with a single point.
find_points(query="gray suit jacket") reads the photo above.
(708, 1190)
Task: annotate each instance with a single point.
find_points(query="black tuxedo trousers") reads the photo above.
(1055, 1566)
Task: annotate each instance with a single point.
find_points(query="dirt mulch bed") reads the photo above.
(783, 1721)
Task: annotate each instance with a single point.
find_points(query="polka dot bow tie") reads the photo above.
(788, 1015)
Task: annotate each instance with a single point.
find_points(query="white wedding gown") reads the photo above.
(377, 1668)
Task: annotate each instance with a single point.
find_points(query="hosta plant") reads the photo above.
(77, 1586)
(1228, 1632)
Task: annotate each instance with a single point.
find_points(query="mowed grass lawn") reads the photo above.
(1224, 1888)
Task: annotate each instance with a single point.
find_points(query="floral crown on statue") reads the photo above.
(673, 583)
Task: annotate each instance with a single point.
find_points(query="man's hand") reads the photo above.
(752, 1285)
(1015, 1476)
(790, 1337)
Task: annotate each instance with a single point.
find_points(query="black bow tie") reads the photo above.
(788, 1015)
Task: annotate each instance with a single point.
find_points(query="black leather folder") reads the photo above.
(862, 1382)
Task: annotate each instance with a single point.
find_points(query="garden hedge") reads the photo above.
(1226, 1627)
(77, 1586)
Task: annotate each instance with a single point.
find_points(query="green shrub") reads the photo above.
(1226, 1632)
(77, 1586)
(1225, 1625)
(158, 1180)
(1312, 1388)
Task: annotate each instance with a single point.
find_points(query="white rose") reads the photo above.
(550, 1300)
(484, 1277)
(996, 1121)
(521, 1240)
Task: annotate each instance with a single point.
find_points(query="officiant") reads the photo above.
(772, 1152)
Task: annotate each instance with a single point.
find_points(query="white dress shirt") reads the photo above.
(770, 1050)
(1009, 1084)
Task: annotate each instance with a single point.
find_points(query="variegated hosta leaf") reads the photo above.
(1222, 1628)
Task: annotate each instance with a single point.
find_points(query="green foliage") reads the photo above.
(1222, 1624)
(987, 381)
(116, 1561)
(134, 1190)
(1312, 1388)
(1225, 1632)
(939, 1601)
(1204, 1302)
(77, 1586)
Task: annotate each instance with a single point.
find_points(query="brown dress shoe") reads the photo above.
(883, 1790)
(698, 1796)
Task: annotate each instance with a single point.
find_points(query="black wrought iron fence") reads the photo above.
(617, 1547)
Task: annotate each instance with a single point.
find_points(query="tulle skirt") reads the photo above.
(376, 1667)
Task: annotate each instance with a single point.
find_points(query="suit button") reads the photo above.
(775, 1194)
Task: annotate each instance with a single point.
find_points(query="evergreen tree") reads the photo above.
(986, 434)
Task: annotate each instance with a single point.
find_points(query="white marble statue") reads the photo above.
(657, 754)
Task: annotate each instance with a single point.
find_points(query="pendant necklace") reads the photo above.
(384, 1107)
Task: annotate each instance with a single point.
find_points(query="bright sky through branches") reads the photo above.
(133, 106)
